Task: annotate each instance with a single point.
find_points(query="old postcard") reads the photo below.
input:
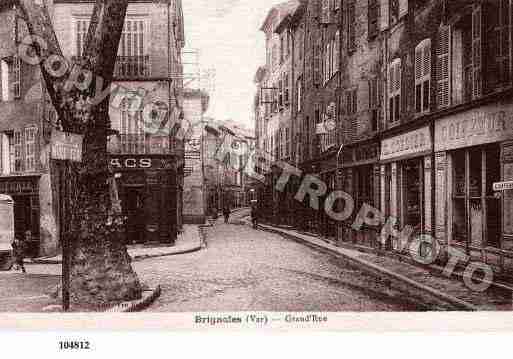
(242, 164)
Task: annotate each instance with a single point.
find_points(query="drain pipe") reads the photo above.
(340, 185)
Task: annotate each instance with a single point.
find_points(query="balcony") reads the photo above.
(132, 67)
(128, 67)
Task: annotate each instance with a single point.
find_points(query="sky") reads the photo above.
(227, 35)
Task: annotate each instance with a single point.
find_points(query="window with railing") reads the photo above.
(132, 134)
(30, 148)
(132, 60)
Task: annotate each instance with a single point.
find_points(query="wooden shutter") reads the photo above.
(422, 73)
(477, 55)
(325, 11)
(317, 73)
(442, 66)
(384, 14)
(336, 55)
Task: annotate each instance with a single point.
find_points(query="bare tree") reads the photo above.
(100, 266)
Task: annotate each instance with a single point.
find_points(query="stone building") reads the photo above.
(421, 95)
(24, 114)
(275, 84)
(148, 159)
(149, 162)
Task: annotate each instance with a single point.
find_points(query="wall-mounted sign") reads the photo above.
(486, 124)
(503, 186)
(140, 162)
(411, 143)
(66, 146)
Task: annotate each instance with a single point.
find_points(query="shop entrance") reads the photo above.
(413, 194)
(133, 206)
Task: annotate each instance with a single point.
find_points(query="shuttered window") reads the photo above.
(336, 54)
(374, 103)
(82, 26)
(16, 77)
(442, 66)
(502, 42)
(30, 148)
(373, 17)
(394, 92)
(317, 71)
(477, 83)
(351, 26)
(422, 76)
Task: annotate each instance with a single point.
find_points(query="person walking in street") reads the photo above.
(18, 251)
(226, 213)
(254, 214)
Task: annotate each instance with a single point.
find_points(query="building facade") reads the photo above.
(148, 161)
(195, 104)
(420, 95)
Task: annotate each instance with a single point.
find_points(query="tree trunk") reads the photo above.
(101, 269)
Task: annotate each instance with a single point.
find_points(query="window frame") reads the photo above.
(394, 91)
(422, 64)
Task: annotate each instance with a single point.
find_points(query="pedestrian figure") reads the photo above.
(226, 213)
(18, 251)
(254, 215)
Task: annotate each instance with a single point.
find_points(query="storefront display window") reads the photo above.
(413, 193)
(476, 211)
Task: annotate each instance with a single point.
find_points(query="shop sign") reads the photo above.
(140, 163)
(66, 146)
(407, 144)
(503, 186)
(493, 123)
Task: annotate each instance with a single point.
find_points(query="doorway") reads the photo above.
(413, 195)
(133, 206)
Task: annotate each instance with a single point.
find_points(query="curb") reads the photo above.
(195, 248)
(137, 305)
(404, 283)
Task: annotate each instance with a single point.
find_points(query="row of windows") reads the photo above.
(460, 73)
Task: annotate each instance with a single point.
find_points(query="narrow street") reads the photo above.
(245, 269)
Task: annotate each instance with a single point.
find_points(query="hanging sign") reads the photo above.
(503, 186)
(66, 146)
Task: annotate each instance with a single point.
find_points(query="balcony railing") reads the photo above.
(130, 67)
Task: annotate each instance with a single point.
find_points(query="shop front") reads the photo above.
(360, 179)
(148, 193)
(406, 181)
(24, 192)
(474, 151)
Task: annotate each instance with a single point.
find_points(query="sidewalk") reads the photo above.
(425, 283)
(188, 241)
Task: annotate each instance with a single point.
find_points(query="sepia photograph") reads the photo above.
(256, 163)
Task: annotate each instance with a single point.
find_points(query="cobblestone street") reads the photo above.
(244, 269)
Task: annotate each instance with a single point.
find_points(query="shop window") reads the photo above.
(476, 211)
(364, 186)
(413, 193)
(422, 76)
